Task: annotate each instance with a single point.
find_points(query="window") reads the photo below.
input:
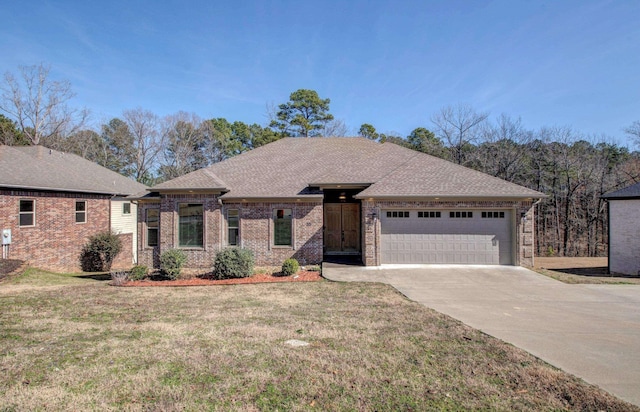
(493, 215)
(27, 213)
(457, 215)
(233, 227)
(282, 220)
(126, 208)
(190, 227)
(81, 211)
(429, 214)
(398, 213)
(152, 227)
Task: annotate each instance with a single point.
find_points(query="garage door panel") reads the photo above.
(473, 240)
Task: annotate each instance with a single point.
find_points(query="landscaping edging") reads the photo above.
(302, 276)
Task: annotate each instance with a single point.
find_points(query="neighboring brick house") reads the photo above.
(51, 202)
(624, 230)
(313, 199)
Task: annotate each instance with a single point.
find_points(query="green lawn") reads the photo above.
(71, 342)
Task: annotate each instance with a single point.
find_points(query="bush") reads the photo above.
(100, 251)
(171, 262)
(233, 263)
(290, 267)
(138, 272)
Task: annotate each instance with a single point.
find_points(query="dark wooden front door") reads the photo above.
(342, 228)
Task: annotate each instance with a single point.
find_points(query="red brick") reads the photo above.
(55, 242)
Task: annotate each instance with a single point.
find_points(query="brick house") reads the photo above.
(51, 202)
(624, 230)
(315, 199)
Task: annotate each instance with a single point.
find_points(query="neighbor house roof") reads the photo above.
(629, 192)
(39, 168)
(293, 167)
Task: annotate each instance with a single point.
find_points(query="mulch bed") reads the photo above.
(302, 276)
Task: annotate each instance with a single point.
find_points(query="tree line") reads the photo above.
(573, 169)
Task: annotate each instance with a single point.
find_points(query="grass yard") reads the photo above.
(75, 343)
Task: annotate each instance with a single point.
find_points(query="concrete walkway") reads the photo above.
(591, 331)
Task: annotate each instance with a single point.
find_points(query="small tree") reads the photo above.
(100, 251)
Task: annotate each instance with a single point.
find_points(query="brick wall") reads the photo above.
(147, 256)
(256, 231)
(624, 241)
(124, 260)
(371, 226)
(55, 241)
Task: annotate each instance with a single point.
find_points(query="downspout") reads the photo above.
(533, 232)
(222, 226)
(608, 235)
(375, 237)
(137, 234)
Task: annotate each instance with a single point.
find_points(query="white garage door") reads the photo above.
(481, 237)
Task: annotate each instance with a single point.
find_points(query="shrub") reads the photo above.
(290, 267)
(119, 277)
(100, 251)
(138, 272)
(171, 262)
(233, 263)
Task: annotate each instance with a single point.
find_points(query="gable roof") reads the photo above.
(295, 167)
(629, 192)
(39, 168)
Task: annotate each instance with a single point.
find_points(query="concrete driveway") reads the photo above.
(591, 331)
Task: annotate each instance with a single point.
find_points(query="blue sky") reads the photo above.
(389, 63)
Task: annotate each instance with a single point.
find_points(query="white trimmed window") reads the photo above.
(81, 211)
(27, 214)
(126, 208)
(233, 227)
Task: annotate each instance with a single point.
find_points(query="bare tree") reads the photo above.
(335, 128)
(500, 153)
(39, 105)
(459, 126)
(185, 142)
(146, 143)
(634, 132)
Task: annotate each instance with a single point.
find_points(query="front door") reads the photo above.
(342, 228)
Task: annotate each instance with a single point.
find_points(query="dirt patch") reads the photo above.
(554, 263)
(580, 270)
(9, 267)
(302, 276)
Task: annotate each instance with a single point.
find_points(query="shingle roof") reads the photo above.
(200, 179)
(288, 167)
(629, 192)
(36, 167)
(428, 176)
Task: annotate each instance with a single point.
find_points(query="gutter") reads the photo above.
(53, 189)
